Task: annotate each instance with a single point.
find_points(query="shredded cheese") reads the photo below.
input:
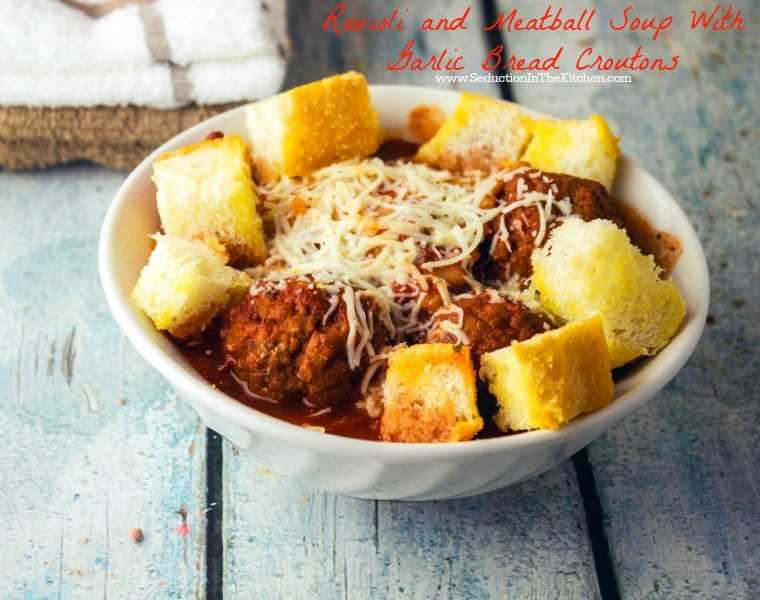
(334, 301)
(358, 230)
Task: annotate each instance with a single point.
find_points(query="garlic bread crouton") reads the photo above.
(585, 149)
(483, 133)
(429, 395)
(424, 121)
(553, 377)
(592, 268)
(185, 285)
(205, 190)
(312, 126)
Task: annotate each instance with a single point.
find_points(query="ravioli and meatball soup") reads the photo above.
(476, 282)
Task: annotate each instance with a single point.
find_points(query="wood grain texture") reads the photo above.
(285, 540)
(317, 54)
(564, 99)
(94, 444)
(679, 480)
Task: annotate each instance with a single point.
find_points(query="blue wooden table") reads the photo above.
(665, 505)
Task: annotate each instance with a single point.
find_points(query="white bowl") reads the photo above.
(383, 470)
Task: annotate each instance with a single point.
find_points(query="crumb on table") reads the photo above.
(136, 535)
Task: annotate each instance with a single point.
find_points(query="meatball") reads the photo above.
(489, 324)
(288, 343)
(587, 199)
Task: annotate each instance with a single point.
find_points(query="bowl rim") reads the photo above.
(670, 359)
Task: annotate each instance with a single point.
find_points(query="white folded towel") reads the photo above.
(160, 53)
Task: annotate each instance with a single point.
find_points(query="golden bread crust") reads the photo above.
(185, 285)
(546, 381)
(430, 395)
(590, 268)
(482, 134)
(313, 126)
(205, 191)
(583, 148)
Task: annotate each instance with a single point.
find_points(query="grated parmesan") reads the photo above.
(358, 232)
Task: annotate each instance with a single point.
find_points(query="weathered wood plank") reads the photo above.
(679, 480)
(317, 54)
(286, 540)
(94, 444)
(565, 99)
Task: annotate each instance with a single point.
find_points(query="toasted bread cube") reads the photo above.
(424, 121)
(482, 133)
(429, 395)
(590, 268)
(312, 126)
(186, 284)
(205, 190)
(553, 377)
(586, 149)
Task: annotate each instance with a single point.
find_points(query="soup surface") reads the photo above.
(348, 419)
